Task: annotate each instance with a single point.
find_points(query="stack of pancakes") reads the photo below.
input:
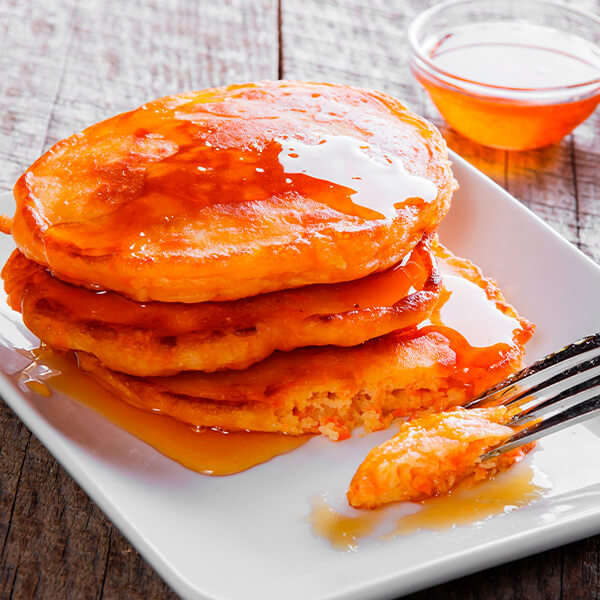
(259, 257)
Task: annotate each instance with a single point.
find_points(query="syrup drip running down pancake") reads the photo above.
(160, 338)
(333, 390)
(231, 192)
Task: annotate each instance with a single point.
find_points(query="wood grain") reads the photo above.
(66, 64)
(362, 42)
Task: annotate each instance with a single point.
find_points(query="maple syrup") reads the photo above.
(478, 331)
(512, 85)
(465, 505)
(28, 280)
(206, 451)
(474, 502)
(192, 166)
(342, 531)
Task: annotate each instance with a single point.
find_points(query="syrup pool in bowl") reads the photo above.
(510, 85)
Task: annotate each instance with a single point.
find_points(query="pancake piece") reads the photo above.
(431, 454)
(472, 340)
(160, 338)
(230, 192)
(5, 224)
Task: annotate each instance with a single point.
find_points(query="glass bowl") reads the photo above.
(511, 74)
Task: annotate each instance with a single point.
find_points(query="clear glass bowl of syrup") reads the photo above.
(511, 74)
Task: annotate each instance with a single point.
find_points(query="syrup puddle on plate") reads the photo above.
(346, 529)
(206, 451)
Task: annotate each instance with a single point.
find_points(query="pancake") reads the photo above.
(159, 338)
(231, 192)
(472, 340)
(431, 454)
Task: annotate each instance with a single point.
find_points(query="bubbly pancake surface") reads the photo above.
(231, 192)
(159, 338)
(438, 364)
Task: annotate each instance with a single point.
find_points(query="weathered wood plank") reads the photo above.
(362, 43)
(586, 170)
(14, 441)
(128, 576)
(33, 48)
(534, 577)
(56, 534)
(66, 65)
(543, 180)
(580, 572)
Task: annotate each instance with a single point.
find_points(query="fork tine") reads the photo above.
(545, 389)
(570, 360)
(546, 425)
(553, 398)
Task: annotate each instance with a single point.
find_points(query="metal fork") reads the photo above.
(559, 390)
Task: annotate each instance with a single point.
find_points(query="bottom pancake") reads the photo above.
(472, 340)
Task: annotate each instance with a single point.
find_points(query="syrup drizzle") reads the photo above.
(478, 332)
(348, 163)
(206, 451)
(25, 279)
(467, 504)
(466, 307)
(196, 178)
(342, 531)
(168, 165)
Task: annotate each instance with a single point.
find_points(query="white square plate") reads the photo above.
(247, 535)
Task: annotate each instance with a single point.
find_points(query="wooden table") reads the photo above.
(69, 63)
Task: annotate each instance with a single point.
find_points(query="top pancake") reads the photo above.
(231, 192)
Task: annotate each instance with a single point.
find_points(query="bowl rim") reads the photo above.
(417, 24)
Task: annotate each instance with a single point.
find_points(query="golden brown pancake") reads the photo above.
(159, 338)
(230, 192)
(472, 340)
